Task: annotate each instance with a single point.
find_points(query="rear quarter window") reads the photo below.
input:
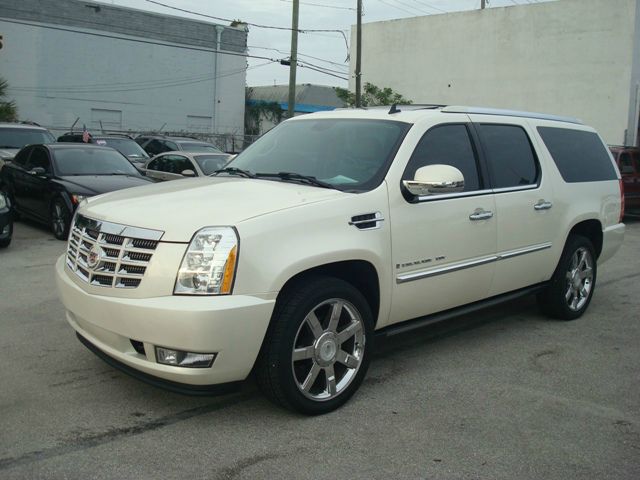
(580, 156)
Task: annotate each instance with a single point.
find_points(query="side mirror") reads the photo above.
(188, 173)
(435, 180)
(38, 171)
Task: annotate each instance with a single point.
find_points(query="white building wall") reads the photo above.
(567, 57)
(56, 75)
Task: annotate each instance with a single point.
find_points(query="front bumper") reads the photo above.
(232, 326)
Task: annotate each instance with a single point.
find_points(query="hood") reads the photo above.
(181, 207)
(97, 184)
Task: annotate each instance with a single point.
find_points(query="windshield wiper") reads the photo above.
(297, 177)
(234, 171)
(9, 146)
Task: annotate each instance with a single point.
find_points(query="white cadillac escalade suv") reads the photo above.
(330, 229)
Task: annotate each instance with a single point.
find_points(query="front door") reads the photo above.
(443, 246)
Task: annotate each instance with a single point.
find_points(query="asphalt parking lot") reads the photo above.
(506, 394)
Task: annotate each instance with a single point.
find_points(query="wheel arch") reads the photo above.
(591, 229)
(362, 274)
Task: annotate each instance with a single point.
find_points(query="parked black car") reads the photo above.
(123, 143)
(6, 221)
(47, 182)
(157, 144)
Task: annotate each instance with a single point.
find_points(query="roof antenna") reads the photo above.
(393, 109)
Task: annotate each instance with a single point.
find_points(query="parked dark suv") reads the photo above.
(123, 143)
(156, 144)
(14, 136)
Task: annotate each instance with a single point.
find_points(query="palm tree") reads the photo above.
(8, 110)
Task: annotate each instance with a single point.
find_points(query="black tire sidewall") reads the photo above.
(320, 290)
(555, 294)
(67, 217)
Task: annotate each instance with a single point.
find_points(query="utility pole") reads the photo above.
(359, 56)
(293, 59)
(483, 4)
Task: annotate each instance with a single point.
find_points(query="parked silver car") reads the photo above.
(175, 165)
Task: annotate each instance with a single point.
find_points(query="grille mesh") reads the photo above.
(107, 259)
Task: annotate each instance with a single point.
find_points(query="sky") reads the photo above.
(327, 50)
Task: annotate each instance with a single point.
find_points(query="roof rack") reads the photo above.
(511, 113)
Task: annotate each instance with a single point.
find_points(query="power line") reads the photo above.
(137, 40)
(167, 84)
(430, 6)
(257, 25)
(399, 8)
(321, 5)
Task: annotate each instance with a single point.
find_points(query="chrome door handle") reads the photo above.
(480, 214)
(543, 205)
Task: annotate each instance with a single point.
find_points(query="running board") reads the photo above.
(420, 322)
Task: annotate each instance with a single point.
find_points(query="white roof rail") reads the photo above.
(510, 113)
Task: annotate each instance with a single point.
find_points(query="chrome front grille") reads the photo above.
(108, 254)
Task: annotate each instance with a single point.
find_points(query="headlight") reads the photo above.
(3, 201)
(209, 265)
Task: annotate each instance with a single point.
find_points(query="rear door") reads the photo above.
(525, 214)
(38, 185)
(16, 178)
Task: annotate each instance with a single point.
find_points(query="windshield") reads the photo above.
(210, 163)
(349, 154)
(19, 137)
(124, 145)
(199, 147)
(92, 161)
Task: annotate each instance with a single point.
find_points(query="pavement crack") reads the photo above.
(95, 440)
(234, 471)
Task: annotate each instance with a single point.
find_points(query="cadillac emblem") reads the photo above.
(94, 256)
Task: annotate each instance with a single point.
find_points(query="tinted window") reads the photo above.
(21, 156)
(170, 146)
(210, 163)
(512, 162)
(350, 154)
(39, 159)
(92, 161)
(626, 163)
(125, 146)
(446, 145)
(171, 164)
(199, 147)
(19, 137)
(154, 147)
(580, 156)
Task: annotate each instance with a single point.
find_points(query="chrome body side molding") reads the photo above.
(432, 272)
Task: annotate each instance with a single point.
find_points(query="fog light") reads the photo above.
(5, 230)
(177, 358)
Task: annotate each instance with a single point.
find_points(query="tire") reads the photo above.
(7, 241)
(332, 351)
(571, 288)
(60, 219)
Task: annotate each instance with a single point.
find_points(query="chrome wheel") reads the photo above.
(579, 279)
(328, 349)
